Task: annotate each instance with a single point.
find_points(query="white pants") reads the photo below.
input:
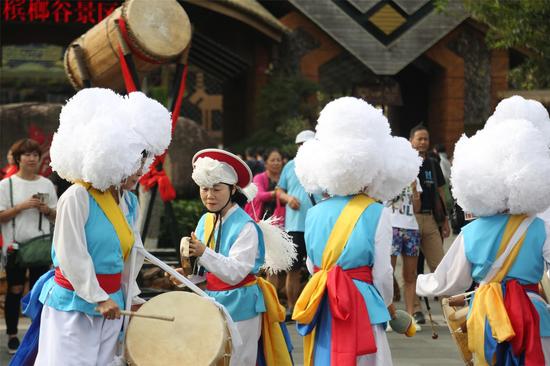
(250, 331)
(382, 357)
(72, 338)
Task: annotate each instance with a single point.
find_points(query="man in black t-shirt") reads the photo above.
(432, 182)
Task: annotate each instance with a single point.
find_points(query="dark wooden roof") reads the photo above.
(384, 35)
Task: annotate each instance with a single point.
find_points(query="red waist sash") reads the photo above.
(352, 334)
(214, 283)
(110, 283)
(525, 322)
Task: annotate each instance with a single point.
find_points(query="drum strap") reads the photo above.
(348, 308)
(490, 307)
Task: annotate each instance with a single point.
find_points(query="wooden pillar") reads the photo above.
(446, 105)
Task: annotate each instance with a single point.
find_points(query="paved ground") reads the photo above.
(420, 350)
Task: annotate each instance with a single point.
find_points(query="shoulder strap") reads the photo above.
(510, 245)
(343, 228)
(434, 172)
(12, 206)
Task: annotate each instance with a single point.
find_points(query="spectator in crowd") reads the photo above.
(298, 203)
(11, 168)
(256, 166)
(25, 199)
(268, 201)
(441, 151)
(406, 238)
(433, 223)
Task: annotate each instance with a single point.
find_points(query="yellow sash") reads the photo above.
(274, 344)
(310, 298)
(489, 302)
(114, 214)
(208, 229)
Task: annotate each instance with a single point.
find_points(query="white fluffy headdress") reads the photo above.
(353, 151)
(517, 107)
(505, 167)
(208, 172)
(101, 136)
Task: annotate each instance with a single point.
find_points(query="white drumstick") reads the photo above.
(148, 316)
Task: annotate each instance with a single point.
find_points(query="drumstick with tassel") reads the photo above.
(434, 332)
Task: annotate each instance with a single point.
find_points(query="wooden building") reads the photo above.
(417, 62)
(421, 64)
(232, 46)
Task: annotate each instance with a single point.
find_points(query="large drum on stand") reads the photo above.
(197, 336)
(157, 32)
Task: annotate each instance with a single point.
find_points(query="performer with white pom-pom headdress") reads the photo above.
(231, 249)
(102, 142)
(354, 159)
(502, 175)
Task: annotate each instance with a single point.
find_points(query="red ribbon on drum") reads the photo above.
(154, 176)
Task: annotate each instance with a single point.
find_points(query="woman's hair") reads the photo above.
(24, 146)
(238, 197)
(270, 151)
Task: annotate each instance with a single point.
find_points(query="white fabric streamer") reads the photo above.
(280, 251)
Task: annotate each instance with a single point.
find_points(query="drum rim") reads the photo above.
(66, 66)
(135, 41)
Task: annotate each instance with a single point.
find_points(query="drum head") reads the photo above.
(197, 336)
(160, 28)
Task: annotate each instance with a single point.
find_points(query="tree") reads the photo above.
(521, 24)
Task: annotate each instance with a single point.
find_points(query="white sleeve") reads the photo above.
(452, 276)
(309, 265)
(240, 261)
(71, 250)
(382, 271)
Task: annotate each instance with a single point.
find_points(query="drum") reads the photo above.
(198, 335)
(455, 310)
(158, 32)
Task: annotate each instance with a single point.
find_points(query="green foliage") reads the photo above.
(287, 105)
(187, 213)
(522, 24)
(159, 93)
(286, 97)
(288, 130)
